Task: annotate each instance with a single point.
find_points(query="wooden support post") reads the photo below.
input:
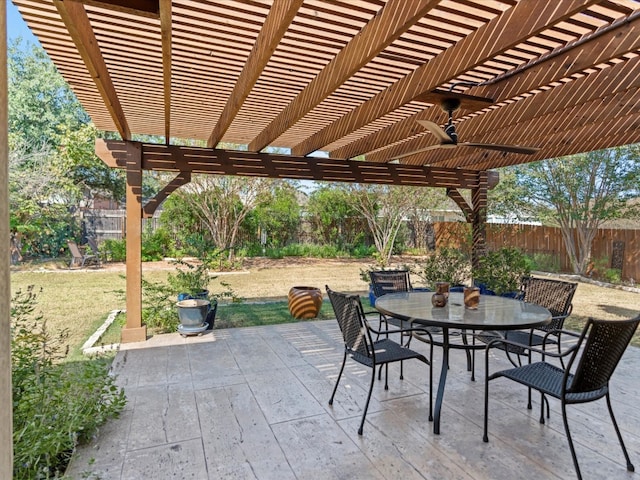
(134, 331)
(6, 392)
(479, 220)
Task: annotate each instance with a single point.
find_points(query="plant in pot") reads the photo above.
(196, 304)
(500, 272)
(444, 265)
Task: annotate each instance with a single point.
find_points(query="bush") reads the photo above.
(114, 250)
(55, 404)
(444, 265)
(544, 262)
(156, 245)
(613, 275)
(501, 271)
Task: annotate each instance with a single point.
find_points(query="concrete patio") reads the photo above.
(252, 403)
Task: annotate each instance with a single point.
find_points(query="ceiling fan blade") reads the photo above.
(436, 130)
(501, 148)
(425, 149)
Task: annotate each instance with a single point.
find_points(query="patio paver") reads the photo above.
(252, 403)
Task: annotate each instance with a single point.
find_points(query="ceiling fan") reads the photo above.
(448, 137)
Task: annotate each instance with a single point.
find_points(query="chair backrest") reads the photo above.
(389, 281)
(93, 245)
(73, 248)
(605, 341)
(352, 322)
(554, 295)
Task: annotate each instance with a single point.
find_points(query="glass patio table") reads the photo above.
(493, 313)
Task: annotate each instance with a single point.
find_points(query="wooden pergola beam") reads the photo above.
(75, 18)
(519, 23)
(228, 162)
(6, 390)
(275, 26)
(152, 205)
(147, 8)
(395, 18)
(165, 33)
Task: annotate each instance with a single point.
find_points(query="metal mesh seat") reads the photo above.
(591, 363)
(359, 345)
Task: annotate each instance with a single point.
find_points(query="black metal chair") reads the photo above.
(389, 281)
(554, 295)
(591, 363)
(359, 345)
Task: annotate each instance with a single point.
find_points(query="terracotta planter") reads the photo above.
(305, 302)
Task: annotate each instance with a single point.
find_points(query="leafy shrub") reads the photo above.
(444, 265)
(544, 262)
(501, 271)
(362, 251)
(55, 404)
(114, 250)
(156, 245)
(613, 275)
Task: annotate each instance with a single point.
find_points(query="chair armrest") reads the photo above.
(399, 330)
(530, 348)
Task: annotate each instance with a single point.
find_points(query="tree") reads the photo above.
(579, 193)
(329, 210)
(41, 104)
(278, 213)
(384, 208)
(221, 203)
(419, 215)
(40, 217)
(52, 163)
(87, 175)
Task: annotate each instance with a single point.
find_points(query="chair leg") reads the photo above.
(431, 383)
(470, 366)
(630, 466)
(344, 360)
(386, 376)
(571, 447)
(366, 405)
(485, 436)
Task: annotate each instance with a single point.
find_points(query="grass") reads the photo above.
(269, 313)
(81, 300)
(236, 315)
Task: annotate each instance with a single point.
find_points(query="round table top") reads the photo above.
(493, 313)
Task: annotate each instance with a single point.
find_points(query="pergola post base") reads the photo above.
(133, 334)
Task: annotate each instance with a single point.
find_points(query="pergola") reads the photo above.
(341, 87)
(337, 89)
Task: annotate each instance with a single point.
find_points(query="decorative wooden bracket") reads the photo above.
(457, 197)
(151, 206)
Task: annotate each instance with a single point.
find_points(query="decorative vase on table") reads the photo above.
(305, 302)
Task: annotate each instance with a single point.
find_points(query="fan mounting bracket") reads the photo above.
(458, 100)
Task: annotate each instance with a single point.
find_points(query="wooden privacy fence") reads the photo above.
(612, 248)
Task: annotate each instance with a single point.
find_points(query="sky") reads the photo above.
(16, 27)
